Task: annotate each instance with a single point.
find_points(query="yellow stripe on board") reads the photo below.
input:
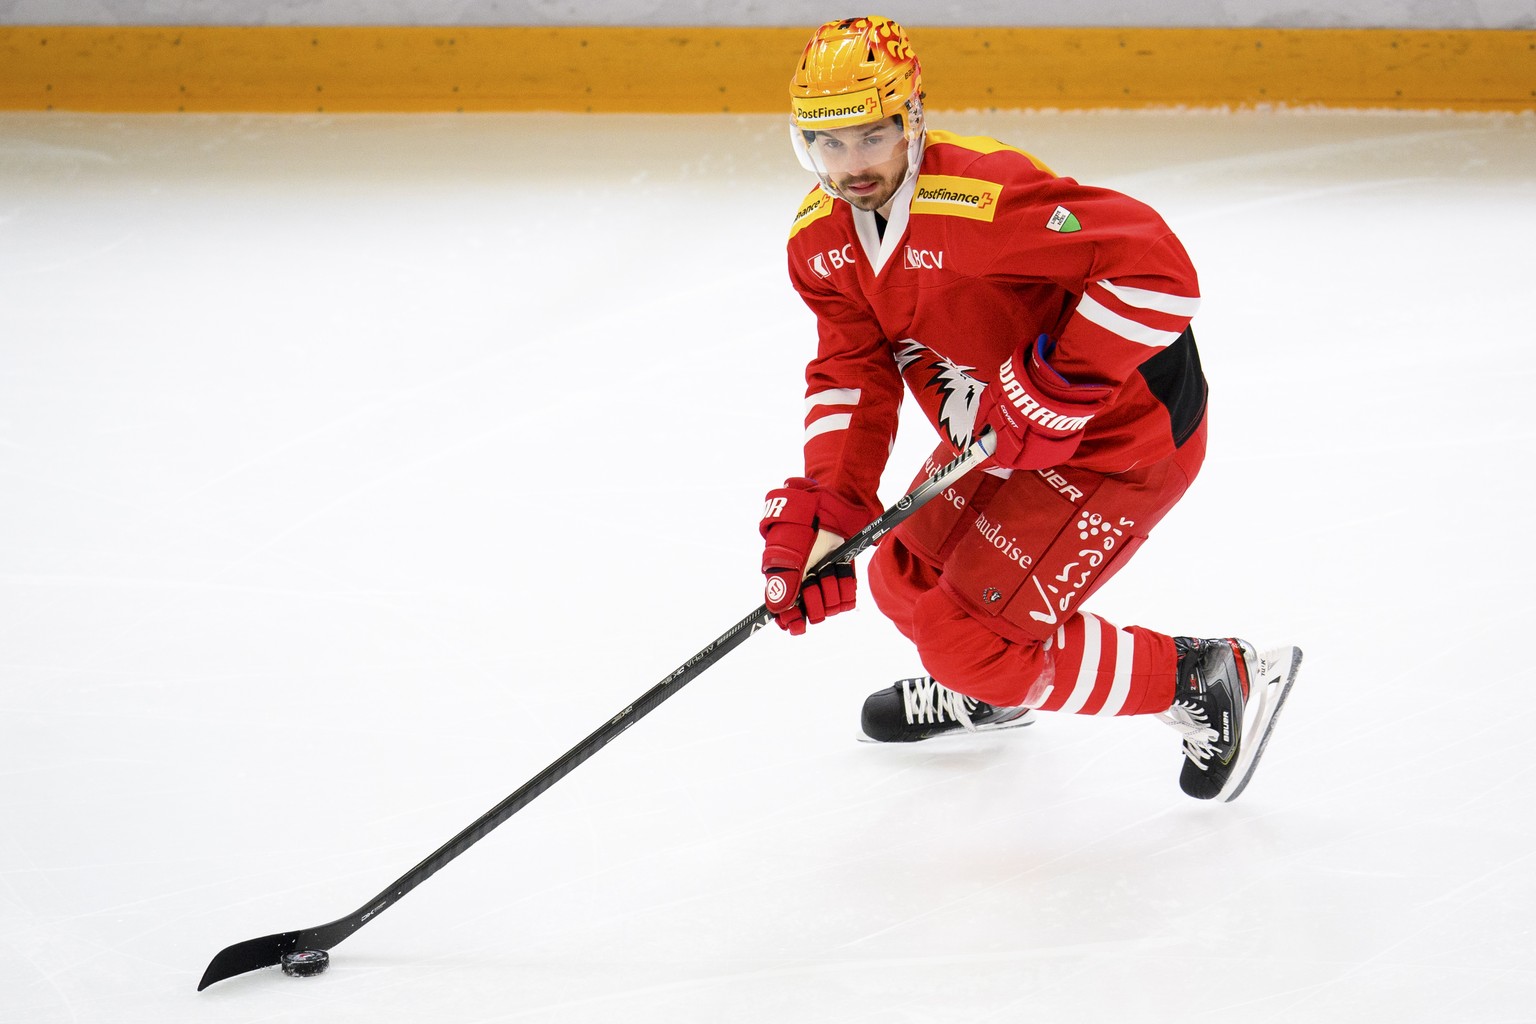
(691, 70)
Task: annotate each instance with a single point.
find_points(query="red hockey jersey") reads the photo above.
(985, 249)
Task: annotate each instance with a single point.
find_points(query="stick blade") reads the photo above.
(250, 955)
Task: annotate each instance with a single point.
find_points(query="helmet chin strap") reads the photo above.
(915, 147)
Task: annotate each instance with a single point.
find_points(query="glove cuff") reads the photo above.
(793, 505)
(835, 515)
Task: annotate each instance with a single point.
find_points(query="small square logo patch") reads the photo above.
(1063, 220)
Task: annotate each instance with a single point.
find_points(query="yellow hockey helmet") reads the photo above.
(854, 71)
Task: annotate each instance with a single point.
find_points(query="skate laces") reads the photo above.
(1190, 720)
(925, 700)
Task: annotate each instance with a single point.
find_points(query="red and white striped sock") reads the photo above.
(1098, 669)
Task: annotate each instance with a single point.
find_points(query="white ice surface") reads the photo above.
(354, 468)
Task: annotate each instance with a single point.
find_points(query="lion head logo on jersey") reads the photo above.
(958, 392)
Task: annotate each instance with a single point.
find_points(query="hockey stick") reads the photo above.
(268, 950)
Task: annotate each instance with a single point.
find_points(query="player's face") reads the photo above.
(866, 163)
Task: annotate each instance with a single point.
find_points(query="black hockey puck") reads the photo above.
(305, 963)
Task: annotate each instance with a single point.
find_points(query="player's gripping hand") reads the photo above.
(801, 523)
(1039, 417)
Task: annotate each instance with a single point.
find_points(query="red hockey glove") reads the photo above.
(1037, 415)
(801, 523)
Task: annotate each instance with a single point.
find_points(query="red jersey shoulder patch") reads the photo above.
(815, 206)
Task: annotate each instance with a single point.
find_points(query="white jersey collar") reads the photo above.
(878, 248)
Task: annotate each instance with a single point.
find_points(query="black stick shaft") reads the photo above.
(658, 694)
(267, 950)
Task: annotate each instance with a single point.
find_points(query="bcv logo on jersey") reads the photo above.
(823, 263)
(924, 259)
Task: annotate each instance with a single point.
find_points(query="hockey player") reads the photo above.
(1054, 314)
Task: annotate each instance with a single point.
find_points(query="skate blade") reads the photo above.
(1277, 672)
(1027, 718)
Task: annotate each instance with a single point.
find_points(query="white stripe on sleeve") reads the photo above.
(833, 396)
(1141, 298)
(1092, 310)
(827, 424)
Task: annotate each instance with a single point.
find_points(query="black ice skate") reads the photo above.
(919, 709)
(1225, 704)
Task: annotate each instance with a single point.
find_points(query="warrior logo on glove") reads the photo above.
(1040, 415)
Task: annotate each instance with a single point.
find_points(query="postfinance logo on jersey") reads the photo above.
(816, 206)
(949, 196)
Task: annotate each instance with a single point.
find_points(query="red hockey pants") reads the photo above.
(988, 581)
